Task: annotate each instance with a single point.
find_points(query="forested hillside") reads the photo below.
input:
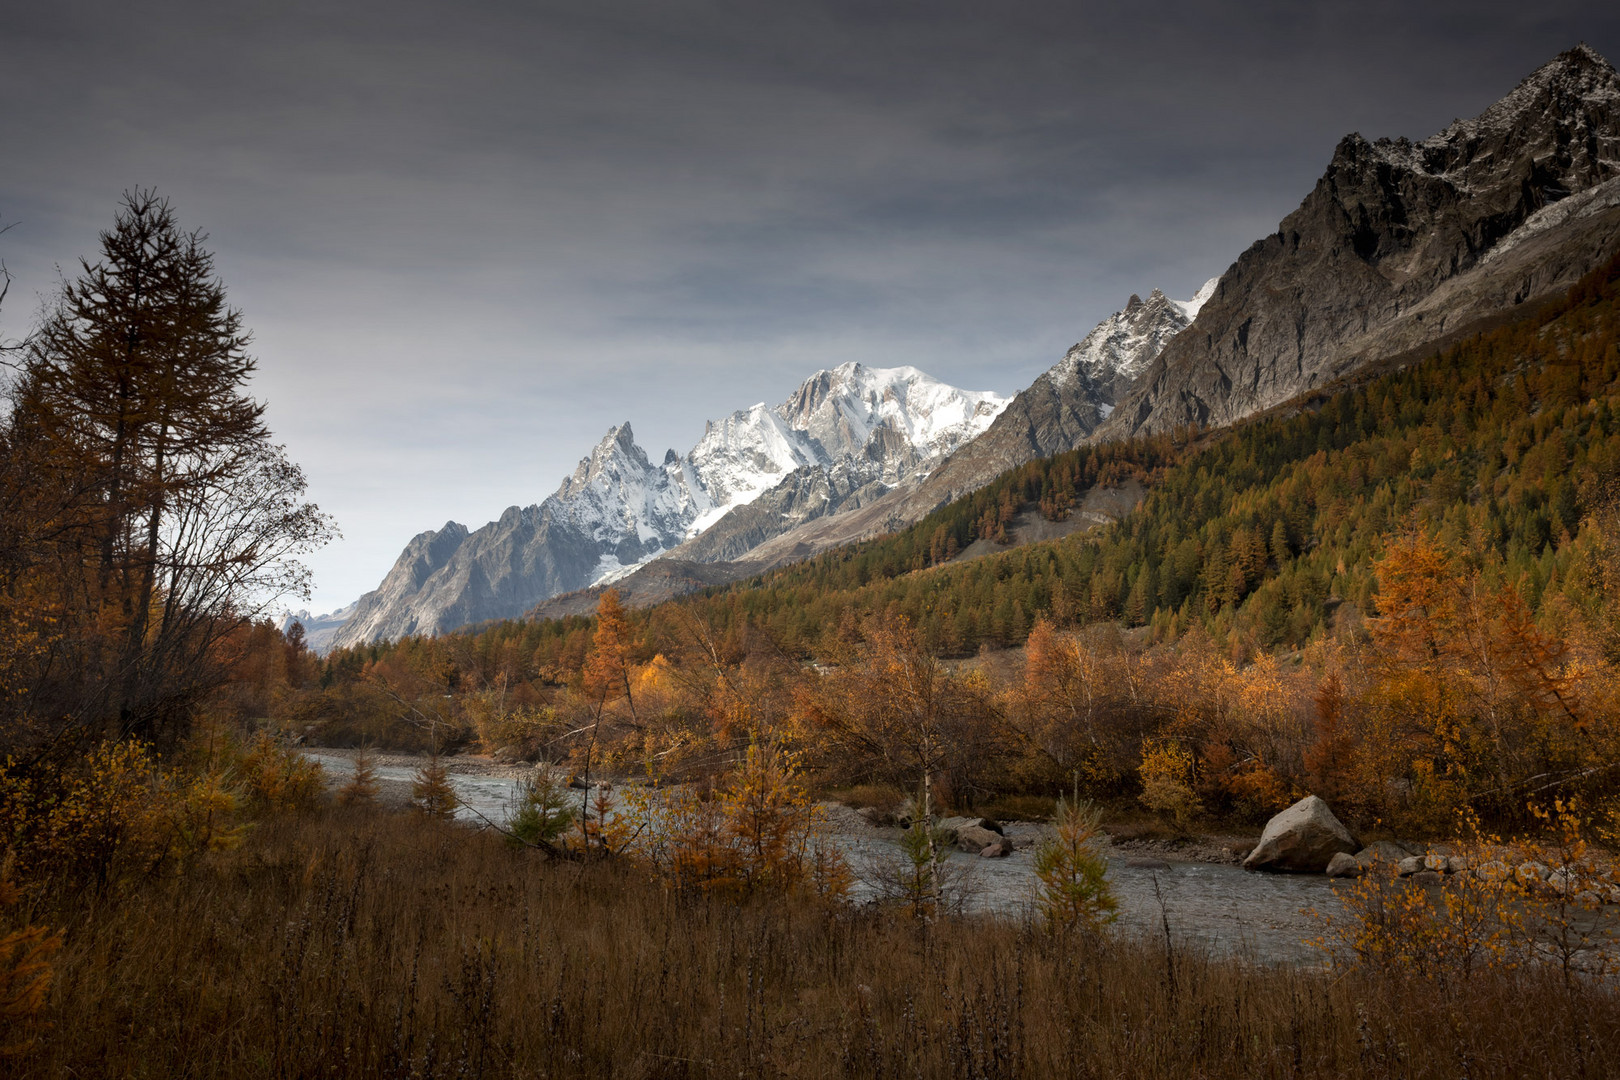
(1499, 448)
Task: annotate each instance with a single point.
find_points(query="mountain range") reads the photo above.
(845, 436)
(1401, 247)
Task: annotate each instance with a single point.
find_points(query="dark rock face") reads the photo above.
(1399, 244)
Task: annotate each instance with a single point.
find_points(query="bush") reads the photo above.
(277, 779)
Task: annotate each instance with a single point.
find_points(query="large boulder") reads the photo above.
(1301, 839)
(1384, 852)
(999, 848)
(974, 838)
(955, 825)
(1342, 865)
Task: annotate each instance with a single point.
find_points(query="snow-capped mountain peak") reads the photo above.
(1124, 344)
(857, 428)
(1191, 308)
(839, 414)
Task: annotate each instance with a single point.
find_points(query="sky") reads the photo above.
(470, 237)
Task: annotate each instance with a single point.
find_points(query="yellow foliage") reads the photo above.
(119, 814)
(1514, 902)
(1394, 925)
(761, 832)
(278, 779)
(1167, 773)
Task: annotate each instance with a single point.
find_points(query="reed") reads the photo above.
(353, 942)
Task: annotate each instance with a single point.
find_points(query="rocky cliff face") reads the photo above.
(846, 436)
(1399, 245)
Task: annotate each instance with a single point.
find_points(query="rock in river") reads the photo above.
(1342, 865)
(1383, 851)
(1301, 839)
(975, 838)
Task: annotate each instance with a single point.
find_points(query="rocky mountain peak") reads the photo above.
(614, 459)
(845, 433)
(1122, 345)
(1401, 243)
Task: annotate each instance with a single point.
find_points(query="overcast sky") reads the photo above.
(470, 237)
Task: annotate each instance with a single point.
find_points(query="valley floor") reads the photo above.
(358, 943)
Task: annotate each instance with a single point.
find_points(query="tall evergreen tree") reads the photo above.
(178, 512)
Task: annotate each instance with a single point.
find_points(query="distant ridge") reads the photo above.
(845, 437)
(1401, 244)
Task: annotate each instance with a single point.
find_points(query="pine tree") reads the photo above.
(178, 510)
(431, 791)
(362, 786)
(1073, 874)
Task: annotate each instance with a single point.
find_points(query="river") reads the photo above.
(1224, 909)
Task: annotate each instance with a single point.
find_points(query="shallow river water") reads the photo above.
(1222, 908)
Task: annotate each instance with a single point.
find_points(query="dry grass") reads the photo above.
(885, 797)
(365, 943)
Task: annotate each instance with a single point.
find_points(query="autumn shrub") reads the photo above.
(1167, 773)
(1398, 927)
(276, 779)
(102, 819)
(116, 815)
(1500, 905)
(758, 832)
(1563, 919)
(501, 726)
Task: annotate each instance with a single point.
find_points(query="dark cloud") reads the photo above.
(472, 236)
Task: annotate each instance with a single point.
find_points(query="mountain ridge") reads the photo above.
(1390, 224)
(850, 430)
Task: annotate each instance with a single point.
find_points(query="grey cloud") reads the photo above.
(470, 237)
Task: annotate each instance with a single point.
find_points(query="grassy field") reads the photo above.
(370, 943)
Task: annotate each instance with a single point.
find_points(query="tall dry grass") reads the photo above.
(365, 943)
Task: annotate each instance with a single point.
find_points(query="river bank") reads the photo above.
(1193, 886)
